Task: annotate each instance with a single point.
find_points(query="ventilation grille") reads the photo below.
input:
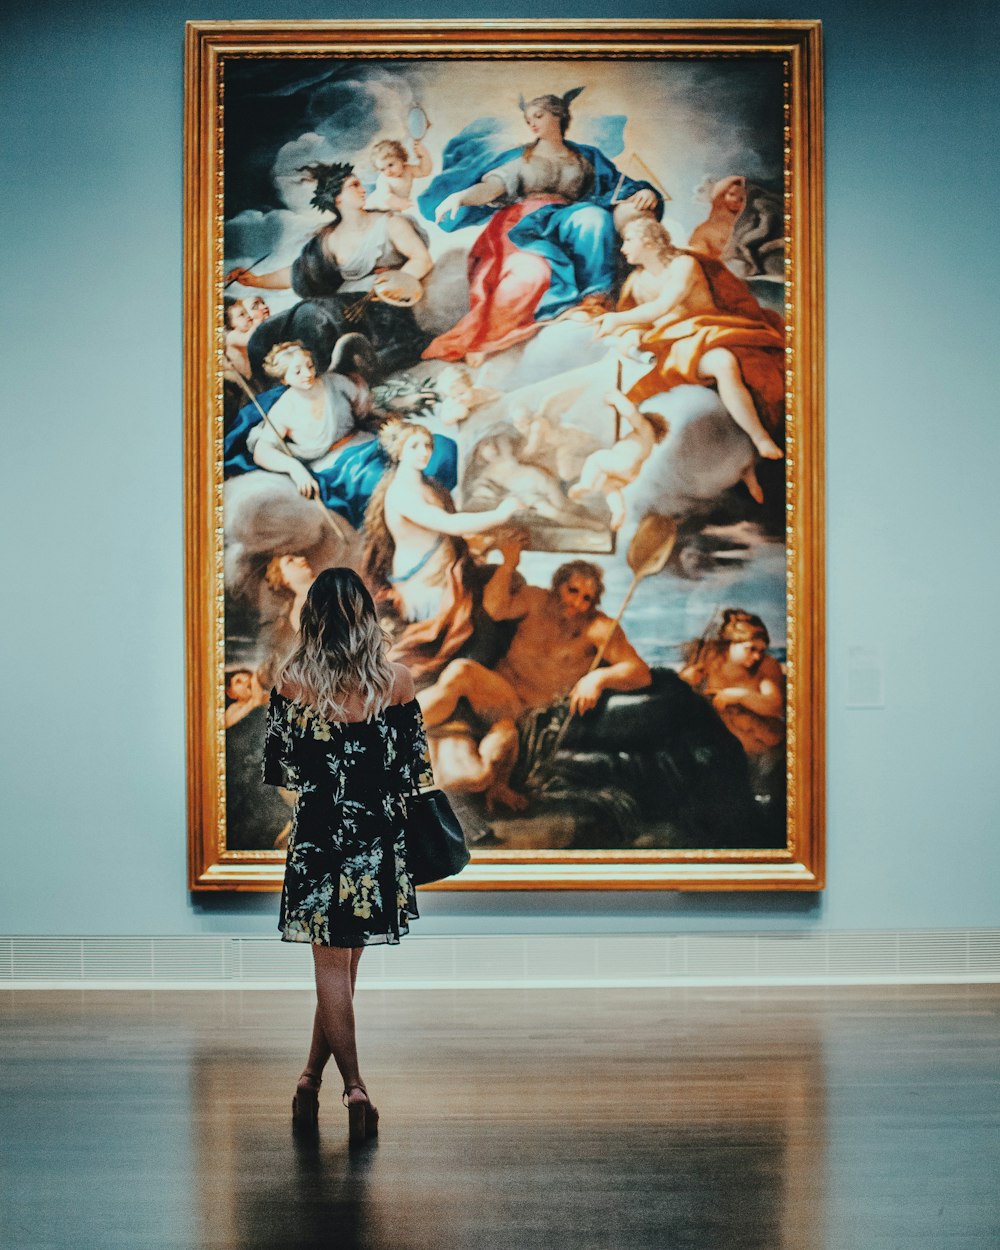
(519, 961)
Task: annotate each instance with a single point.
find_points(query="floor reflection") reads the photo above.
(615, 1134)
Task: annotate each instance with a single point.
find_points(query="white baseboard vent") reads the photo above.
(517, 961)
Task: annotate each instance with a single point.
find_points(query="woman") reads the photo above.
(744, 684)
(335, 275)
(549, 247)
(416, 555)
(345, 733)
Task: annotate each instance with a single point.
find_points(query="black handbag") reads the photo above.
(435, 843)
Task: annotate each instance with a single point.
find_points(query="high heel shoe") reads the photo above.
(305, 1106)
(362, 1117)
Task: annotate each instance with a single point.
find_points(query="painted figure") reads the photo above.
(397, 173)
(549, 244)
(338, 273)
(559, 633)
(239, 326)
(460, 395)
(315, 418)
(244, 692)
(610, 469)
(702, 324)
(413, 530)
(258, 309)
(745, 684)
(728, 199)
(745, 229)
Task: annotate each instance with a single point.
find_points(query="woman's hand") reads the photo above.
(449, 206)
(243, 276)
(732, 696)
(303, 479)
(506, 509)
(642, 201)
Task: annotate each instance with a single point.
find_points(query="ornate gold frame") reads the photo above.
(800, 866)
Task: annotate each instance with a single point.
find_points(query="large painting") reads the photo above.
(522, 322)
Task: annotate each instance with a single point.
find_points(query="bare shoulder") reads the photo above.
(601, 627)
(536, 598)
(403, 689)
(771, 670)
(685, 266)
(401, 227)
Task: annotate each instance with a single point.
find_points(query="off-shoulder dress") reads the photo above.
(346, 881)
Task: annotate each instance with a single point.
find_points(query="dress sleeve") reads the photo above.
(276, 767)
(417, 772)
(509, 173)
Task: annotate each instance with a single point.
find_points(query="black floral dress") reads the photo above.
(346, 882)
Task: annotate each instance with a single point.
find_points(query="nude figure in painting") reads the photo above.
(610, 469)
(672, 300)
(559, 633)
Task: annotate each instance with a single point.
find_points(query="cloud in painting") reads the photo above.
(350, 114)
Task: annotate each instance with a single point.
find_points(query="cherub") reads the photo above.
(258, 309)
(496, 470)
(396, 174)
(562, 449)
(459, 394)
(610, 469)
(239, 326)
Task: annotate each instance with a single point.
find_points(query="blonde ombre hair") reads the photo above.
(340, 650)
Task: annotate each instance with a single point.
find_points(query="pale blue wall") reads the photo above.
(93, 751)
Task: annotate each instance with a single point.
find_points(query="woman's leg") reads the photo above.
(335, 968)
(319, 1054)
(721, 367)
(355, 960)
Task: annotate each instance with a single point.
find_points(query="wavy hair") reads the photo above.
(340, 651)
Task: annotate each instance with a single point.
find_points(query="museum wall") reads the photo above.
(93, 726)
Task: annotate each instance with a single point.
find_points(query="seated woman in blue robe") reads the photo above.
(316, 430)
(550, 243)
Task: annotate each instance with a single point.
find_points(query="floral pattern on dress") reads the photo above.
(346, 880)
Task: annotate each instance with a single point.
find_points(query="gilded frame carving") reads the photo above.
(210, 48)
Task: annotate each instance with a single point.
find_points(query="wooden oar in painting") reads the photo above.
(648, 553)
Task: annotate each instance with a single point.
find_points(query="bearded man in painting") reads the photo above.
(559, 634)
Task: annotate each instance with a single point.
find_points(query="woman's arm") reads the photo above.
(766, 699)
(485, 192)
(276, 280)
(677, 282)
(268, 452)
(455, 524)
(406, 240)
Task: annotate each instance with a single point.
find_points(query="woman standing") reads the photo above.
(344, 731)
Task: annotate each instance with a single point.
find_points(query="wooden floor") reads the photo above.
(791, 1119)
